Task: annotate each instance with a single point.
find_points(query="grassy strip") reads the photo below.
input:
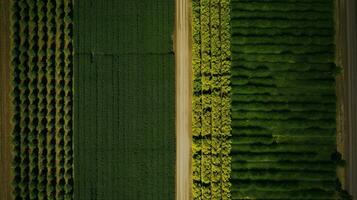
(283, 175)
(286, 186)
(315, 98)
(308, 115)
(279, 49)
(285, 67)
(280, 15)
(277, 6)
(283, 139)
(280, 147)
(323, 108)
(286, 123)
(273, 90)
(282, 157)
(287, 75)
(301, 194)
(239, 31)
(280, 23)
(284, 39)
(297, 166)
(260, 131)
(281, 83)
(288, 58)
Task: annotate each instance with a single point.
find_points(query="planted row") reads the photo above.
(41, 57)
(211, 99)
(283, 100)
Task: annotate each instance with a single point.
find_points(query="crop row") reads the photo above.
(41, 59)
(211, 100)
(283, 100)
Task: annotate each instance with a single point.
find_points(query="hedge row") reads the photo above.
(284, 100)
(211, 99)
(41, 59)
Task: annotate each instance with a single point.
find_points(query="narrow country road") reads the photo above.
(183, 99)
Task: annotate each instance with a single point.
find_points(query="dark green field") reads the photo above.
(124, 100)
(283, 100)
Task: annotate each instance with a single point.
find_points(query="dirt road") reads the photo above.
(5, 103)
(345, 88)
(183, 99)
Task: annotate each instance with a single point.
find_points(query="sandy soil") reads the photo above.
(183, 99)
(5, 104)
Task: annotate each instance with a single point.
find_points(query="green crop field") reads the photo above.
(211, 99)
(94, 103)
(283, 100)
(124, 100)
(41, 59)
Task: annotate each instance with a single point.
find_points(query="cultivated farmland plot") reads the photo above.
(41, 60)
(281, 135)
(93, 100)
(124, 105)
(284, 137)
(211, 100)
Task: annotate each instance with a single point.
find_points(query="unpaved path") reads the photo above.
(346, 96)
(183, 99)
(341, 58)
(5, 103)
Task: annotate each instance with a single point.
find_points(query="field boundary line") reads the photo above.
(5, 103)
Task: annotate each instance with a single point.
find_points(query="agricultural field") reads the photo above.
(211, 121)
(124, 100)
(41, 59)
(283, 100)
(98, 101)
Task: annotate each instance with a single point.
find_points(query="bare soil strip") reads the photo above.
(346, 50)
(345, 82)
(341, 54)
(183, 99)
(5, 103)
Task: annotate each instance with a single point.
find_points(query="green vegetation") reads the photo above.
(283, 100)
(211, 99)
(41, 59)
(124, 100)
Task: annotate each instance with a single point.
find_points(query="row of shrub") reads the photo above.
(41, 59)
(284, 100)
(211, 99)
